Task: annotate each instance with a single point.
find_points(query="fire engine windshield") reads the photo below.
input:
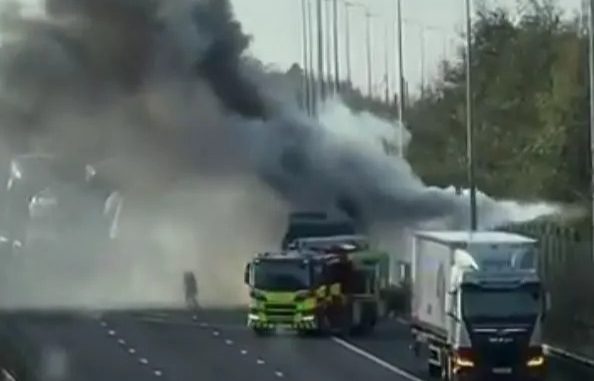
(482, 304)
(290, 275)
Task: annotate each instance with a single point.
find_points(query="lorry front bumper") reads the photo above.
(298, 321)
(478, 374)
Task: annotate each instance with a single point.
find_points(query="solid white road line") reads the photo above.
(550, 350)
(376, 360)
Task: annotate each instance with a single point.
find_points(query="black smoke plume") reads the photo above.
(166, 87)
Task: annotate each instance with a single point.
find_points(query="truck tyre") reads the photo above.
(261, 332)
(434, 371)
(446, 368)
(323, 324)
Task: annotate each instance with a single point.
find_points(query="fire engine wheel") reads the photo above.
(323, 324)
(261, 332)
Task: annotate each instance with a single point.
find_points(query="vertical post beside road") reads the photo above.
(321, 78)
(328, 40)
(313, 88)
(400, 84)
(368, 44)
(469, 121)
(306, 68)
(591, 65)
(347, 41)
(336, 58)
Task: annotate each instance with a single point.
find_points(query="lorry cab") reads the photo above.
(479, 304)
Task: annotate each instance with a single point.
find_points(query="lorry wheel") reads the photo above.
(446, 367)
(434, 371)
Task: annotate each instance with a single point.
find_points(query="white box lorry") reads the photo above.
(478, 305)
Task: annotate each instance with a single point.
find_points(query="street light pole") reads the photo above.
(422, 42)
(313, 89)
(368, 43)
(347, 41)
(321, 78)
(306, 68)
(387, 63)
(400, 84)
(591, 64)
(336, 58)
(469, 126)
(328, 38)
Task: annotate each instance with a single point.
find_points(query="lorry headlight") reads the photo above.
(462, 362)
(462, 358)
(535, 362)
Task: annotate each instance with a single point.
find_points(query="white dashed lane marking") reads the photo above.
(260, 362)
(130, 350)
(243, 352)
(279, 374)
(229, 342)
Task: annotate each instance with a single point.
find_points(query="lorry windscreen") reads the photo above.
(479, 304)
(282, 275)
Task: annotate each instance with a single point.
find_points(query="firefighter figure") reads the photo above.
(191, 290)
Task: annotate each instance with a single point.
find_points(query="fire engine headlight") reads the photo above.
(258, 296)
(535, 361)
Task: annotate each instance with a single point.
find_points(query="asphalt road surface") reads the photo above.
(208, 346)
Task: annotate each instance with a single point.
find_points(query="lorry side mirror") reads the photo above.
(246, 274)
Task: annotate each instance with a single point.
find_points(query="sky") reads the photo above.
(275, 26)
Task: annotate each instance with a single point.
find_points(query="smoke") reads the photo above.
(209, 150)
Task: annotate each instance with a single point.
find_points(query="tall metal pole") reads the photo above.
(401, 94)
(328, 38)
(469, 126)
(306, 68)
(368, 43)
(313, 87)
(321, 78)
(422, 63)
(387, 63)
(347, 41)
(591, 64)
(336, 58)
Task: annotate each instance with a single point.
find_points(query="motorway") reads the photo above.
(209, 345)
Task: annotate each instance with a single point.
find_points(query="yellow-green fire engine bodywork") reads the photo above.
(300, 310)
(296, 310)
